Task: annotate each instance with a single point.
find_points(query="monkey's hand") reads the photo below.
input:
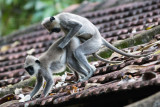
(74, 27)
(62, 45)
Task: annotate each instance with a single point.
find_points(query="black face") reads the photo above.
(57, 30)
(30, 70)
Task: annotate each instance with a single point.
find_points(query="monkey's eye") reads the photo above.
(37, 61)
(52, 18)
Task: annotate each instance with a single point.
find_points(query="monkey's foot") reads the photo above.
(93, 69)
(83, 79)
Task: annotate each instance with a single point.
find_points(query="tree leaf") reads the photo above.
(40, 5)
(15, 44)
(133, 68)
(52, 94)
(115, 55)
(6, 98)
(30, 52)
(18, 91)
(48, 12)
(9, 2)
(2, 58)
(29, 5)
(150, 26)
(89, 85)
(4, 48)
(37, 16)
(27, 89)
(157, 52)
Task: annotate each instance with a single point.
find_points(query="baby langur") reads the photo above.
(76, 26)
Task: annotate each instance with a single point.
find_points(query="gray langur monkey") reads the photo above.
(54, 60)
(76, 26)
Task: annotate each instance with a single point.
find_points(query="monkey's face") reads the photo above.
(32, 65)
(51, 24)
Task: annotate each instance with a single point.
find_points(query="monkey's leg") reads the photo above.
(38, 85)
(78, 77)
(88, 47)
(77, 68)
(49, 82)
(73, 63)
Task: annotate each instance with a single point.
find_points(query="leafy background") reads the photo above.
(17, 14)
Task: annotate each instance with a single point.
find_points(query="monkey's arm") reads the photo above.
(38, 85)
(73, 27)
(49, 83)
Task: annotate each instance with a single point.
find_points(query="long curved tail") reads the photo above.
(104, 60)
(107, 44)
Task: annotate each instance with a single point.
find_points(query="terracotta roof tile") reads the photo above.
(115, 23)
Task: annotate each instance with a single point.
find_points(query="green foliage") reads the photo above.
(16, 14)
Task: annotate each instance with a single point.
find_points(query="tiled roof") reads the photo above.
(115, 23)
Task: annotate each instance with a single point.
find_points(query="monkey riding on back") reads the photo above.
(81, 38)
(77, 26)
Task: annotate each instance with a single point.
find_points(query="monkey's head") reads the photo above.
(32, 65)
(51, 24)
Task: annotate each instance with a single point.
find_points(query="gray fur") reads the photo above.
(54, 60)
(38, 85)
(77, 26)
(56, 66)
(68, 50)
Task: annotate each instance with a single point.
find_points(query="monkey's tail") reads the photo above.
(107, 44)
(104, 60)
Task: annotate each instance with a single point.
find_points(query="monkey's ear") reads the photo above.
(52, 18)
(37, 61)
